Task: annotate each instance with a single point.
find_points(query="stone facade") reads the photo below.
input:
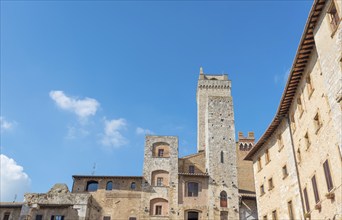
(204, 185)
(301, 150)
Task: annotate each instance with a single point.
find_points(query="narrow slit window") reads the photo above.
(306, 198)
(328, 175)
(315, 189)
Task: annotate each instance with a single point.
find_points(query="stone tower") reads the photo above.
(216, 136)
(160, 180)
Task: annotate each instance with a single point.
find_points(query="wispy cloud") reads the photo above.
(143, 131)
(81, 107)
(13, 181)
(112, 136)
(6, 125)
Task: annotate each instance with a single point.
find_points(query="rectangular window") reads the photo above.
(306, 198)
(262, 190)
(290, 209)
(280, 142)
(270, 184)
(259, 164)
(328, 175)
(299, 156)
(191, 169)
(132, 218)
(317, 122)
(334, 19)
(265, 217)
(315, 189)
(307, 140)
(293, 123)
(274, 215)
(300, 106)
(284, 170)
(159, 181)
(267, 156)
(309, 86)
(39, 217)
(160, 152)
(192, 189)
(158, 210)
(6, 216)
(106, 217)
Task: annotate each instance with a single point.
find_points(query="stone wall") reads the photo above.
(318, 127)
(285, 186)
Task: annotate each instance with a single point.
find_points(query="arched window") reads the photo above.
(133, 185)
(109, 185)
(250, 146)
(192, 189)
(92, 186)
(223, 199)
(241, 146)
(246, 147)
(222, 159)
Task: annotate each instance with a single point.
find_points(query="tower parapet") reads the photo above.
(209, 85)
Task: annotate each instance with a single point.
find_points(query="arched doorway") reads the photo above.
(193, 216)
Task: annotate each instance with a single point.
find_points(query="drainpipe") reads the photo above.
(295, 159)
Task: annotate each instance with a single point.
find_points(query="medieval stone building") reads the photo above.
(214, 183)
(297, 161)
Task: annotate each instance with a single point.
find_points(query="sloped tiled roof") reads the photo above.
(304, 50)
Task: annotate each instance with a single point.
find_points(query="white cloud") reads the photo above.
(81, 107)
(112, 136)
(13, 181)
(6, 125)
(143, 131)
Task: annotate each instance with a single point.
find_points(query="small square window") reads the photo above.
(307, 140)
(300, 106)
(270, 184)
(191, 169)
(259, 164)
(285, 172)
(280, 142)
(267, 156)
(159, 181)
(262, 190)
(317, 122)
(133, 186)
(160, 152)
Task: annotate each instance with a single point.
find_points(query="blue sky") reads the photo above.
(83, 81)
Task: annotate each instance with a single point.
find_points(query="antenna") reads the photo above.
(94, 168)
(15, 198)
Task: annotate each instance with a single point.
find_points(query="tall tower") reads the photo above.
(216, 136)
